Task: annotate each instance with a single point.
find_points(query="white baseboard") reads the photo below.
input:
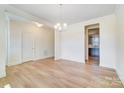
(50, 57)
(3, 74)
(17, 63)
(74, 60)
(12, 64)
(120, 77)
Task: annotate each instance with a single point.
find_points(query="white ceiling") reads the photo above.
(69, 13)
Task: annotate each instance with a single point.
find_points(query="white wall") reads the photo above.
(57, 46)
(72, 41)
(43, 42)
(120, 41)
(3, 44)
(4, 31)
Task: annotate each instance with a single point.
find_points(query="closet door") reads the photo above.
(15, 53)
(27, 46)
(39, 45)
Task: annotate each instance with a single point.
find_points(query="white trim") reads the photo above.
(8, 37)
(2, 74)
(120, 77)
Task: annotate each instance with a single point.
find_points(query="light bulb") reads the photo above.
(60, 28)
(58, 24)
(55, 26)
(65, 24)
(38, 24)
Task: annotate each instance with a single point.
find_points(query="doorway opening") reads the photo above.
(92, 44)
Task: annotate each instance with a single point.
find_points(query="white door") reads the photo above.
(27, 46)
(39, 45)
(14, 45)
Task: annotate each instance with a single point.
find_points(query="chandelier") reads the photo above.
(60, 25)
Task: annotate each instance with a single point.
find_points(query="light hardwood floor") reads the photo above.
(60, 74)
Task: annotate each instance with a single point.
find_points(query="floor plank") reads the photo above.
(60, 74)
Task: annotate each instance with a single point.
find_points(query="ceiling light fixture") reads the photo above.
(38, 24)
(61, 25)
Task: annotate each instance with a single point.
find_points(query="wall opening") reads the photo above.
(92, 44)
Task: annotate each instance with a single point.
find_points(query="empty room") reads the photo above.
(62, 45)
